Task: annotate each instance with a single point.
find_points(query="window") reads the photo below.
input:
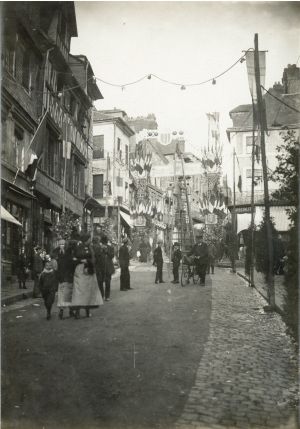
(119, 181)
(78, 177)
(119, 151)
(52, 156)
(23, 73)
(257, 173)
(98, 152)
(249, 140)
(10, 58)
(98, 186)
(19, 147)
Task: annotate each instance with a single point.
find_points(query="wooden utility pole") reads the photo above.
(262, 121)
(65, 166)
(233, 218)
(252, 197)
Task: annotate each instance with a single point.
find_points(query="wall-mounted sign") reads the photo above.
(240, 210)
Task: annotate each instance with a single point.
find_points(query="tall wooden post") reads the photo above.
(252, 197)
(261, 116)
(233, 218)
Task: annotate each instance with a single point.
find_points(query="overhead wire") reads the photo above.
(280, 101)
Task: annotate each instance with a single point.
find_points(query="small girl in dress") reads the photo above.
(48, 285)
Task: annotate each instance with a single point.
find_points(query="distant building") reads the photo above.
(279, 118)
(110, 173)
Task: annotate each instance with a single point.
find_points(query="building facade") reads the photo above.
(280, 118)
(47, 101)
(113, 139)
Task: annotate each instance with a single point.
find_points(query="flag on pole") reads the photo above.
(251, 71)
(35, 147)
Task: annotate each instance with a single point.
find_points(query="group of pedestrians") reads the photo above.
(80, 272)
(203, 257)
(71, 272)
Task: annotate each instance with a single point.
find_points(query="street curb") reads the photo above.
(277, 309)
(15, 298)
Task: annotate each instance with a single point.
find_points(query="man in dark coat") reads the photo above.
(124, 265)
(200, 253)
(158, 262)
(99, 262)
(176, 258)
(107, 266)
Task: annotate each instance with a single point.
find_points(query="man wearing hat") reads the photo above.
(200, 252)
(107, 266)
(124, 258)
(176, 258)
(158, 262)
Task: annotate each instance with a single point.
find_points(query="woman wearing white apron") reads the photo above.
(86, 293)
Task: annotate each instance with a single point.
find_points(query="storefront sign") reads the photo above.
(240, 210)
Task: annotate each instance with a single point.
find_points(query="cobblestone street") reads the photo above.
(247, 376)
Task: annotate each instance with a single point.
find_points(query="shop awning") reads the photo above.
(5, 215)
(127, 218)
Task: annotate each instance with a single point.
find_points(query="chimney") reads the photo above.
(291, 79)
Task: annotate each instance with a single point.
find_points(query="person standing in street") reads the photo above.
(98, 262)
(86, 293)
(64, 255)
(200, 253)
(22, 270)
(107, 266)
(37, 268)
(158, 262)
(212, 254)
(124, 258)
(176, 258)
(48, 284)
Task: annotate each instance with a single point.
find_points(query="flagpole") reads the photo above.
(233, 217)
(65, 169)
(252, 198)
(39, 126)
(106, 188)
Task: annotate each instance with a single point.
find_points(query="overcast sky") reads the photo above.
(184, 42)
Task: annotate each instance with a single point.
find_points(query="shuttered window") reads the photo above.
(98, 185)
(98, 142)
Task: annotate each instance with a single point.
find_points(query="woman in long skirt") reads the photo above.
(86, 293)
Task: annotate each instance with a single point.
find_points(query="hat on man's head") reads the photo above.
(159, 241)
(104, 239)
(199, 235)
(176, 244)
(125, 240)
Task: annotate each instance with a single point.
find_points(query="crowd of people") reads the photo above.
(78, 270)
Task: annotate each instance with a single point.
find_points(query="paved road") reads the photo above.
(160, 356)
(131, 365)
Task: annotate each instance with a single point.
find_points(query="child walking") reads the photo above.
(48, 285)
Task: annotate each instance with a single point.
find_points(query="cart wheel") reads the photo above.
(184, 275)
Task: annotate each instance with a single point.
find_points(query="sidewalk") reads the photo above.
(10, 292)
(247, 377)
(261, 286)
